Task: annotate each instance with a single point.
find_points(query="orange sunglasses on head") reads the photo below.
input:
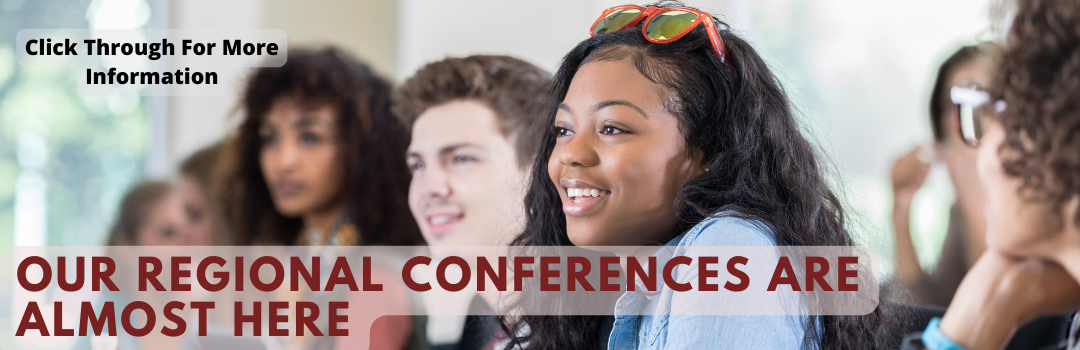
(662, 24)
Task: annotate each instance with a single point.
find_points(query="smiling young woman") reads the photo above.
(689, 142)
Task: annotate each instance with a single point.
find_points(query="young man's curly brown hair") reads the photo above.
(1039, 79)
(516, 90)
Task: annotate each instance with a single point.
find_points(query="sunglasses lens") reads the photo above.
(971, 124)
(971, 104)
(615, 21)
(669, 24)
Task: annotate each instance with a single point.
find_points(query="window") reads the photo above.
(860, 74)
(66, 159)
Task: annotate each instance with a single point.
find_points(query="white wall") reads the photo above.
(196, 121)
(367, 28)
(540, 32)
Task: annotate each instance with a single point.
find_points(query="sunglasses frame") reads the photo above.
(648, 14)
(975, 101)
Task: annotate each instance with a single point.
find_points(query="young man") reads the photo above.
(473, 121)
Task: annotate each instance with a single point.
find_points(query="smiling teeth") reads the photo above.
(585, 192)
(441, 219)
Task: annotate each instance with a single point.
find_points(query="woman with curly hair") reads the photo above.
(317, 158)
(687, 143)
(317, 161)
(1029, 162)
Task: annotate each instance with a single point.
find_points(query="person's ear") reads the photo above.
(702, 165)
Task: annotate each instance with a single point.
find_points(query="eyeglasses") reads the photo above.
(662, 24)
(971, 103)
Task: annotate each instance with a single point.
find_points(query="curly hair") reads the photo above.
(516, 90)
(372, 140)
(1039, 79)
(740, 118)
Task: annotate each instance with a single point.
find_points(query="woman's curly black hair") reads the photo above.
(1039, 79)
(372, 140)
(740, 118)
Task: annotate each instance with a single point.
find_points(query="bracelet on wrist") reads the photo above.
(934, 339)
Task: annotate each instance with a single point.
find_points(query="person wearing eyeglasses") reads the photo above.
(964, 239)
(1027, 131)
(671, 130)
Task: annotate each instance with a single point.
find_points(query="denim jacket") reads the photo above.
(660, 331)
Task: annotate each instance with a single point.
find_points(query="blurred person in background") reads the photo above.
(317, 161)
(317, 157)
(964, 239)
(1029, 163)
(473, 120)
(149, 215)
(204, 224)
